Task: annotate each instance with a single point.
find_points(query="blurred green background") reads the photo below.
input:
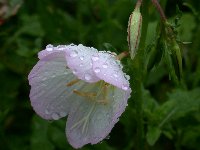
(171, 115)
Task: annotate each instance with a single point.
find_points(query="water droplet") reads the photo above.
(43, 79)
(55, 116)
(108, 115)
(72, 44)
(49, 47)
(99, 118)
(53, 76)
(95, 58)
(42, 84)
(81, 57)
(87, 77)
(74, 71)
(62, 114)
(46, 111)
(61, 47)
(97, 70)
(119, 64)
(81, 65)
(107, 137)
(124, 87)
(105, 65)
(113, 62)
(115, 75)
(99, 139)
(73, 53)
(113, 54)
(127, 77)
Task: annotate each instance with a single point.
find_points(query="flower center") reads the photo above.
(100, 96)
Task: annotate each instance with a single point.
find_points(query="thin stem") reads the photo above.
(171, 39)
(163, 17)
(167, 118)
(122, 55)
(160, 10)
(137, 72)
(138, 4)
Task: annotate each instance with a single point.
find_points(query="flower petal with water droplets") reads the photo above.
(50, 97)
(55, 92)
(107, 68)
(79, 61)
(51, 49)
(91, 122)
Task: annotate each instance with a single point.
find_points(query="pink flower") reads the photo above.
(87, 85)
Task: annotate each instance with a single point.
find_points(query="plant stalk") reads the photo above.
(137, 66)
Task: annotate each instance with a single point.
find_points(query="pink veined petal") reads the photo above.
(107, 68)
(79, 61)
(50, 96)
(91, 122)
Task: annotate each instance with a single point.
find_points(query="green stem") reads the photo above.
(160, 10)
(138, 4)
(171, 41)
(137, 67)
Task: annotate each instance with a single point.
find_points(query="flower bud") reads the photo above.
(134, 31)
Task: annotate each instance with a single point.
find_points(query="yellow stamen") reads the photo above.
(85, 94)
(73, 82)
(105, 94)
(105, 91)
(93, 96)
(103, 101)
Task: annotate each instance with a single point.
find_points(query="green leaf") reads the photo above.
(180, 104)
(153, 134)
(31, 26)
(150, 104)
(171, 65)
(57, 136)
(109, 47)
(191, 137)
(185, 30)
(39, 138)
(151, 32)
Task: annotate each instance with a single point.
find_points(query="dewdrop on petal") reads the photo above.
(134, 31)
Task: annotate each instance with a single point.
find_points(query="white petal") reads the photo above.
(107, 68)
(50, 97)
(79, 60)
(51, 49)
(91, 122)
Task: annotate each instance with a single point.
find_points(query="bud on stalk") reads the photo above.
(134, 31)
